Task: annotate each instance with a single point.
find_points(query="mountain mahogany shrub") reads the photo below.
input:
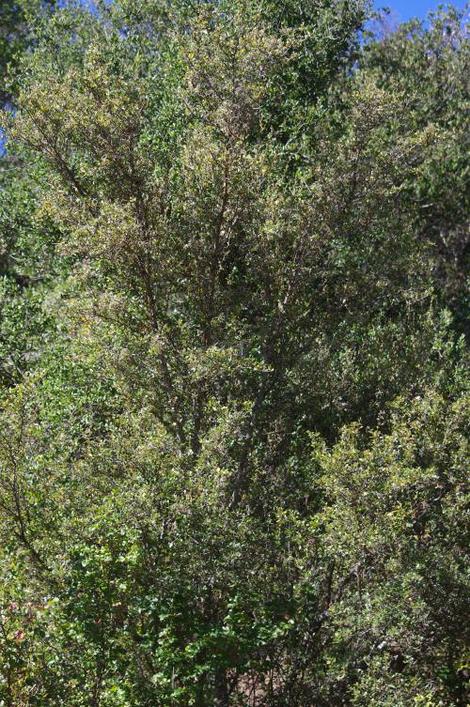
(242, 266)
(440, 57)
(396, 504)
(16, 17)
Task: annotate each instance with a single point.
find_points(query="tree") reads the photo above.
(14, 16)
(228, 222)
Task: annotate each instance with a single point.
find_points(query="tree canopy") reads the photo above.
(233, 356)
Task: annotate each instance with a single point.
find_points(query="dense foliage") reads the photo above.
(233, 356)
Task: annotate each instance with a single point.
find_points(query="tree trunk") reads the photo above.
(221, 689)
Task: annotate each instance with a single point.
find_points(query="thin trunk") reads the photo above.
(221, 693)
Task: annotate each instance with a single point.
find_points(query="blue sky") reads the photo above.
(406, 9)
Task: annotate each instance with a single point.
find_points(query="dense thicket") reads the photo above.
(233, 357)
